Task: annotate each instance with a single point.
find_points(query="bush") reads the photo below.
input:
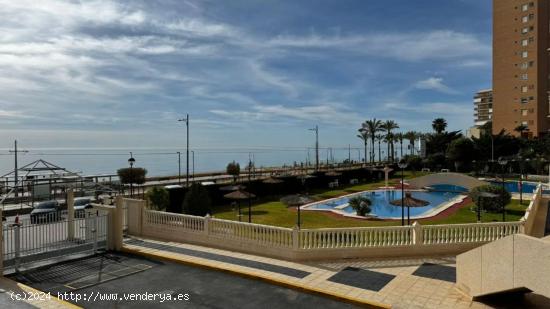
(233, 169)
(134, 175)
(158, 198)
(491, 204)
(360, 204)
(414, 163)
(197, 201)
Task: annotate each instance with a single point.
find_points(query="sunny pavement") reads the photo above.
(8, 300)
(399, 283)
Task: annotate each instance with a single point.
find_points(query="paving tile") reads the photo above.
(436, 271)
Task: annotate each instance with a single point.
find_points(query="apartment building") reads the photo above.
(520, 66)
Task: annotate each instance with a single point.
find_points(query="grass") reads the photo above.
(270, 211)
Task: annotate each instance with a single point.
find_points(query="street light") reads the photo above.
(179, 168)
(479, 199)
(186, 120)
(193, 164)
(316, 130)
(131, 161)
(502, 161)
(402, 165)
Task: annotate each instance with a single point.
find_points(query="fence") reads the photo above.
(302, 244)
(28, 242)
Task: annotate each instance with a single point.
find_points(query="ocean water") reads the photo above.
(164, 161)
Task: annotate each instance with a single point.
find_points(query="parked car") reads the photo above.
(80, 206)
(46, 212)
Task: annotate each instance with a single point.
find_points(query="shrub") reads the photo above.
(197, 201)
(414, 163)
(158, 198)
(360, 204)
(233, 169)
(132, 175)
(491, 204)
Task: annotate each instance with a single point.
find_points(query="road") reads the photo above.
(120, 273)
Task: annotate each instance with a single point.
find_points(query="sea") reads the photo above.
(164, 161)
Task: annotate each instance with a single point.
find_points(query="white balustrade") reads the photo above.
(356, 237)
(468, 233)
(257, 233)
(173, 221)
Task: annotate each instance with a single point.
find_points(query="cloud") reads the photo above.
(411, 46)
(434, 83)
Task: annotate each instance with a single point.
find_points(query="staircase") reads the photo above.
(514, 263)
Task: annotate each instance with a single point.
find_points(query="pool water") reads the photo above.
(381, 206)
(513, 186)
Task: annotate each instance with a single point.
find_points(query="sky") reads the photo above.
(116, 74)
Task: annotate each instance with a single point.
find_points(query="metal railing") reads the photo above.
(55, 236)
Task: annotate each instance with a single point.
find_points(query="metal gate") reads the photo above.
(28, 242)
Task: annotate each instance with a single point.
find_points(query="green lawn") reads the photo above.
(272, 212)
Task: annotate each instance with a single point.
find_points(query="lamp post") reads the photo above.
(186, 120)
(480, 197)
(402, 165)
(502, 161)
(131, 161)
(193, 164)
(316, 130)
(179, 168)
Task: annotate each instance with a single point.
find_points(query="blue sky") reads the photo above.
(250, 73)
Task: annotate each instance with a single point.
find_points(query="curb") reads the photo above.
(287, 284)
(27, 288)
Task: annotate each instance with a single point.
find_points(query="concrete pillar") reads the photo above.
(135, 217)
(206, 225)
(1, 248)
(117, 223)
(418, 237)
(296, 238)
(70, 213)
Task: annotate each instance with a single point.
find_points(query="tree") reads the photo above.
(372, 127)
(361, 205)
(197, 201)
(399, 137)
(379, 138)
(496, 204)
(461, 152)
(388, 126)
(520, 129)
(364, 136)
(233, 169)
(158, 198)
(412, 136)
(439, 125)
(135, 175)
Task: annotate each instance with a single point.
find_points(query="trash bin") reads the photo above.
(176, 195)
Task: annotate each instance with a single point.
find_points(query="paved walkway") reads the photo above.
(399, 283)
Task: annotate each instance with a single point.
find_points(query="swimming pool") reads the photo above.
(513, 186)
(381, 206)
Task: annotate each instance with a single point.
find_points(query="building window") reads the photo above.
(523, 88)
(531, 39)
(524, 101)
(531, 16)
(524, 77)
(524, 42)
(525, 65)
(525, 19)
(524, 123)
(525, 30)
(531, 98)
(524, 54)
(525, 7)
(524, 112)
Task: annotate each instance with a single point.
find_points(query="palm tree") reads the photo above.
(439, 125)
(364, 136)
(387, 127)
(399, 138)
(379, 138)
(520, 129)
(372, 127)
(411, 136)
